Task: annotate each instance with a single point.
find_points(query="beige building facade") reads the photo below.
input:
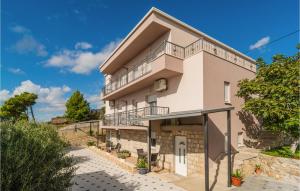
(165, 66)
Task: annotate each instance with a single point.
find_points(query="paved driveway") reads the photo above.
(263, 183)
(97, 173)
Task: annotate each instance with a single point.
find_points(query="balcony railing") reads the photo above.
(134, 117)
(144, 67)
(218, 51)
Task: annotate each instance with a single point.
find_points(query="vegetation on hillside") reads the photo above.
(78, 108)
(18, 107)
(33, 157)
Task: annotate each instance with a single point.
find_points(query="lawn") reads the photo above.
(283, 151)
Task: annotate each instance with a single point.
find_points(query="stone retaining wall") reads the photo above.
(280, 168)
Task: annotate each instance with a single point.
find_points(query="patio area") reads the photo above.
(100, 173)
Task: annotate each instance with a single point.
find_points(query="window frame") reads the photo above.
(228, 93)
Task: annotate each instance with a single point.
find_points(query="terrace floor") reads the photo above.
(97, 173)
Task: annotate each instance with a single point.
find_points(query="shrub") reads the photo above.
(33, 158)
(284, 151)
(91, 143)
(124, 154)
(142, 163)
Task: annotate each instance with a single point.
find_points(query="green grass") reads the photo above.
(283, 152)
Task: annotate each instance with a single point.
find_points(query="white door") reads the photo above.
(180, 156)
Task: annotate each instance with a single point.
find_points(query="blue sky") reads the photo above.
(53, 47)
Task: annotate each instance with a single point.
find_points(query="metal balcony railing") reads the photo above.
(144, 67)
(169, 48)
(133, 117)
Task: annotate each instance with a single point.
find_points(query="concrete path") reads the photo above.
(97, 173)
(263, 183)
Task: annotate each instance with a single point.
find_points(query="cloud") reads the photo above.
(95, 101)
(16, 71)
(4, 95)
(50, 99)
(28, 44)
(19, 29)
(79, 61)
(83, 45)
(260, 43)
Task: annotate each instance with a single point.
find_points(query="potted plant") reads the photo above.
(142, 166)
(236, 178)
(258, 169)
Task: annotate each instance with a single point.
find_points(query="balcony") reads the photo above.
(165, 61)
(134, 117)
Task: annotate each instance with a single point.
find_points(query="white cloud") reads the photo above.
(4, 95)
(79, 61)
(28, 44)
(19, 29)
(16, 71)
(95, 101)
(260, 43)
(50, 99)
(83, 45)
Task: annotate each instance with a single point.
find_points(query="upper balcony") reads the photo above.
(163, 62)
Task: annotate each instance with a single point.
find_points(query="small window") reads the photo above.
(226, 92)
(240, 139)
(153, 139)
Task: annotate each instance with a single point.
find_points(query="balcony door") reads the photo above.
(152, 102)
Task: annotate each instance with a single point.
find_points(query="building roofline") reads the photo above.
(153, 9)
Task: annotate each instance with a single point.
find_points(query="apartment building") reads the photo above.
(164, 67)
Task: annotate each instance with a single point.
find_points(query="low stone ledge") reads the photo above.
(285, 169)
(119, 162)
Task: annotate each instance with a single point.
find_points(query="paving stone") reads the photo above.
(95, 173)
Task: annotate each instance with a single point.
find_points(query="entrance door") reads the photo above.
(180, 156)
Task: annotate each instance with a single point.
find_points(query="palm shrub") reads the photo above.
(33, 158)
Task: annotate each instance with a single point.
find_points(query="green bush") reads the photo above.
(33, 158)
(142, 163)
(91, 143)
(284, 151)
(124, 154)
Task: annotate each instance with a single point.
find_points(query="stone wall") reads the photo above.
(165, 139)
(280, 168)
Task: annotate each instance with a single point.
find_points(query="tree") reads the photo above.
(33, 157)
(78, 108)
(273, 95)
(17, 107)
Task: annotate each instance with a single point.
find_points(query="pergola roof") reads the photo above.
(190, 113)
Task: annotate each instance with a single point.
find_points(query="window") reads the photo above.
(153, 139)
(226, 92)
(240, 139)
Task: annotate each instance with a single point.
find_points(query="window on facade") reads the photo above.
(226, 92)
(240, 140)
(153, 139)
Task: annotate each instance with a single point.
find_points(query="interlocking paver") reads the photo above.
(97, 173)
(263, 183)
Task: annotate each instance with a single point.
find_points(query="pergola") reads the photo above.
(195, 113)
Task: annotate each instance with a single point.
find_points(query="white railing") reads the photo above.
(216, 50)
(145, 67)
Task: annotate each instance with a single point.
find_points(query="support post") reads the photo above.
(98, 134)
(149, 146)
(229, 147)
(206, 152)
(90, 129)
